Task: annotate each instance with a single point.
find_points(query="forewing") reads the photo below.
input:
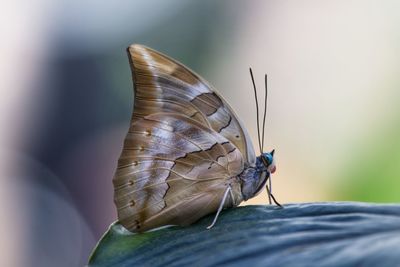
(164, 85)
(173, 170)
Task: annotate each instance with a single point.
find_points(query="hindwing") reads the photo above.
(185, 146)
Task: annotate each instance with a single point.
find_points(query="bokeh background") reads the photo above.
(66, 101)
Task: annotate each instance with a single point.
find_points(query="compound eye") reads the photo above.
(268, 159)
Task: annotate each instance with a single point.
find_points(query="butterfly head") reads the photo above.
(268, 161)
(255, 181)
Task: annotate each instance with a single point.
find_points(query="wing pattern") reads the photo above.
(183, 148)
(164, 85)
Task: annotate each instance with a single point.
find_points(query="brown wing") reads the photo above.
(173, 170)
(184, 147)
(164, 85)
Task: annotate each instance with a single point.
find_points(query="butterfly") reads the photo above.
(186, 154)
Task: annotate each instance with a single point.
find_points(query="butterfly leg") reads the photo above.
(276, 202)
(221, 205)
(270, 195)
(269, 191)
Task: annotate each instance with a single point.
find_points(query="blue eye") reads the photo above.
(268, 157)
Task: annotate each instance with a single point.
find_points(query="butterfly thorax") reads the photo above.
(254, 178)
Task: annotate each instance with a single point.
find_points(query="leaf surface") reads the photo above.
(308, 234)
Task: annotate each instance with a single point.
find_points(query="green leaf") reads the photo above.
(309, 234)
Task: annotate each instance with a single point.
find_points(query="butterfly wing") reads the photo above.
(184, 147)
(164, 85)
(173, 170)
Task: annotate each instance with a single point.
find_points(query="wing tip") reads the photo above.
(137, 49)
(134, 47)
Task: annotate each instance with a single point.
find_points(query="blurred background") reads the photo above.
(66, 102)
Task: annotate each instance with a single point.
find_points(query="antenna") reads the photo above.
(265, 111)
(258, 119)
